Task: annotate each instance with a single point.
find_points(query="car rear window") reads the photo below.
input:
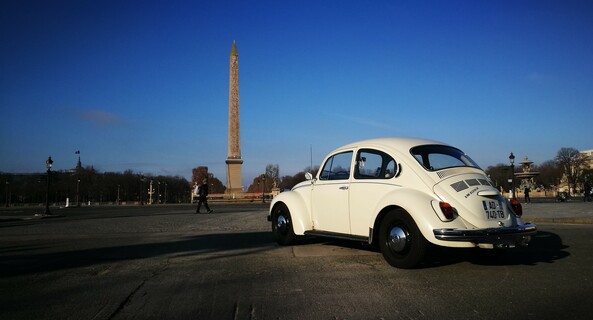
(438, 157)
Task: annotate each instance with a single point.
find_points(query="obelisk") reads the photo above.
(233, 162)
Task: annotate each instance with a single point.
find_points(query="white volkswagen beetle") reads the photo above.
(403, 194)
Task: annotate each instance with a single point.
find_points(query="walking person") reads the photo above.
(527, 198)
(203, 197)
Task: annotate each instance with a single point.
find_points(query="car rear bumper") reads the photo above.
(504, 237)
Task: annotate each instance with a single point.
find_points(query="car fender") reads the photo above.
(419, 206)
(299, 210)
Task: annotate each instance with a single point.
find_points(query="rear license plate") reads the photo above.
(493, 209)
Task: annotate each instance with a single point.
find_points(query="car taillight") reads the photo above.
(447, 210)
(516, 205)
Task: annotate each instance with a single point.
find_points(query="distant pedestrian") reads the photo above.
(203, 196)
(587, 197)
(527, 199)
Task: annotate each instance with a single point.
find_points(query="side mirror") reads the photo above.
(308, 176)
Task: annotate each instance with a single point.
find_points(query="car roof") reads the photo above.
(394, 143)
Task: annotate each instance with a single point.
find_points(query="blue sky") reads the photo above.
(143, 85)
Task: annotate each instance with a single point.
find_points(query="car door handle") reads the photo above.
(344, 188)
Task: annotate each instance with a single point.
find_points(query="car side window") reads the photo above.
(374, 164)
(337, 167)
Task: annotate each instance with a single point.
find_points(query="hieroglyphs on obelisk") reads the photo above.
(233, 177)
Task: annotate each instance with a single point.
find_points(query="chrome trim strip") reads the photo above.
(336, 235)
(488, 235)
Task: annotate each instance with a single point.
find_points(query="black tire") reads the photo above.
(282, 225)
(401, 242)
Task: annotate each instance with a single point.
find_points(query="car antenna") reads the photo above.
(311, 153)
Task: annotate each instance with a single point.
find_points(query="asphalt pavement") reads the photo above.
(165, 262)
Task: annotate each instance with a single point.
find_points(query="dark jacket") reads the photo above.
(203, 190)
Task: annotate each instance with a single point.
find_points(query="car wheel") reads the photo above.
(282, 225)
(400, 240)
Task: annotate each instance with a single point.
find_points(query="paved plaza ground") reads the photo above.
(165, 262)
(549, 211)
(543, 210)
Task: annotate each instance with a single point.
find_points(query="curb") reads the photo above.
(26, 218)
(562, 220)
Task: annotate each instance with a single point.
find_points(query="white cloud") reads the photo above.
(99, 117)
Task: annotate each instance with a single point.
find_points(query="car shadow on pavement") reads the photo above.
(212, 246)
(545, 247)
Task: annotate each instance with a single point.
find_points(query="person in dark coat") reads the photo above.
(203, 197)
(527, 198)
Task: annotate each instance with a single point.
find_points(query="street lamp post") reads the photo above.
(78, 192)
(7, 194)
(263, 178)
(165, 201)
(48, 164)
(512, 160)
(141, 190)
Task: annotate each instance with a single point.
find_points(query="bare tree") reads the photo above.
(89, 185)
(500, 175)
(198, 174)
(550, 173)
(287, 182)
(266, 180)
(571, 161)
(273, 173)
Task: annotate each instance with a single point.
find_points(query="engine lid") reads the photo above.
(476, 199)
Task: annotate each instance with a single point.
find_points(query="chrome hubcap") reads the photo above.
(397, 239)
(281, 223)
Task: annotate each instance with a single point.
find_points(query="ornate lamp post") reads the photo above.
(263, 179)
(512, 160)
(48, 164)
(78, 192)
(165, 201)
(7, 194)
(142, 190)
